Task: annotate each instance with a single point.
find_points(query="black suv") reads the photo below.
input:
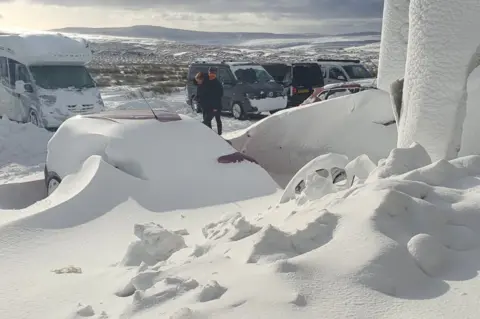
(298, 79)
(248, 88)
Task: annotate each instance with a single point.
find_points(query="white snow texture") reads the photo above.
(442, 52)
(393, 49)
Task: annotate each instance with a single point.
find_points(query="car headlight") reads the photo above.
(48, 100)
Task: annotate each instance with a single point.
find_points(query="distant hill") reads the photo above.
(199, 37)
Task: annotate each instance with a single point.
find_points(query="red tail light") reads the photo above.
(294, 90)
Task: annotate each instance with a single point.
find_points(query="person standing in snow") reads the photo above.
(200, 96)
(211, 96)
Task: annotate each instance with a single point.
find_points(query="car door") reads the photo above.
(228, 82)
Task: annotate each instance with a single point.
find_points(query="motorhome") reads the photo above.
(43, 79)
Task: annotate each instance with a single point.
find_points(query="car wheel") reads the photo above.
(33, 118)
(237, 112)
(52, 185)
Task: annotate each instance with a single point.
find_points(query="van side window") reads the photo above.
(23, 73)
(335, 73)
(17, 71)
(224, 76)
(4, 71)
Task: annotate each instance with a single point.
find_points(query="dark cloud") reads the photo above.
(309, 9)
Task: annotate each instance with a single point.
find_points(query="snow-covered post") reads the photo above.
(393, 48)
(442, 51)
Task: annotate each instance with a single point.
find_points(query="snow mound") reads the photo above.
(233, 228)
(22, 148)
(173, 168)
(408, 232)
(284, 142)
(155, 244)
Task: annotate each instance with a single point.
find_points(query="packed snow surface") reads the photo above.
(409, 228)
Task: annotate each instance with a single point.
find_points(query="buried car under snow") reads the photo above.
(173, 153)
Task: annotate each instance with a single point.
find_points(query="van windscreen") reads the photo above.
(53, 77)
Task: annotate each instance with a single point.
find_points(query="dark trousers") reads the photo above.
(208, 116)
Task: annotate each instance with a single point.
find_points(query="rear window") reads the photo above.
(279, 72)
(307, 75)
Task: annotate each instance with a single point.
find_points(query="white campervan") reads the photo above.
(43, 79)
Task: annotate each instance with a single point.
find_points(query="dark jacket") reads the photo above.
(209, 94)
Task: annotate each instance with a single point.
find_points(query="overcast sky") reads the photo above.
(316, 16)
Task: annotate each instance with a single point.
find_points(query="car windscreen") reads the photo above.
(357, 71)
(62, 76)
(307, 75)
(251, 74)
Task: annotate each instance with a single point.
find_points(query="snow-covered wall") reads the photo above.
(442, 52)
(393, 48)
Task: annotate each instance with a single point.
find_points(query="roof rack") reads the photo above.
(338, 60)
(221, 62)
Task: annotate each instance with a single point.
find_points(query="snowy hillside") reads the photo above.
(228, 38)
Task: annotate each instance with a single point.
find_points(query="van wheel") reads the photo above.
(33, 118)
(237, 111)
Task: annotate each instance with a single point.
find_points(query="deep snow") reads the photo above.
(402, 242)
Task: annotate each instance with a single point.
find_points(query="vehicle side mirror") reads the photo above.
(20, 87)
(28, 88)
(341, 78)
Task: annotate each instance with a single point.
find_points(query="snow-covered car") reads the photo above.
(331, 91)
(174, 151)
(352, 125)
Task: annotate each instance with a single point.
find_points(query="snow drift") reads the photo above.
(408, 232)
(352, 125)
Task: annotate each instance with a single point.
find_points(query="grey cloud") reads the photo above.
(309, 9)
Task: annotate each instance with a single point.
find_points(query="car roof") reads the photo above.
(222, 63)
(135, 114)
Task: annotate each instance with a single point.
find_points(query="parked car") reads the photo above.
(129, 141)
(248, 88)
(335, 90)
(298, 79)
(43, 79)
(338, 71)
